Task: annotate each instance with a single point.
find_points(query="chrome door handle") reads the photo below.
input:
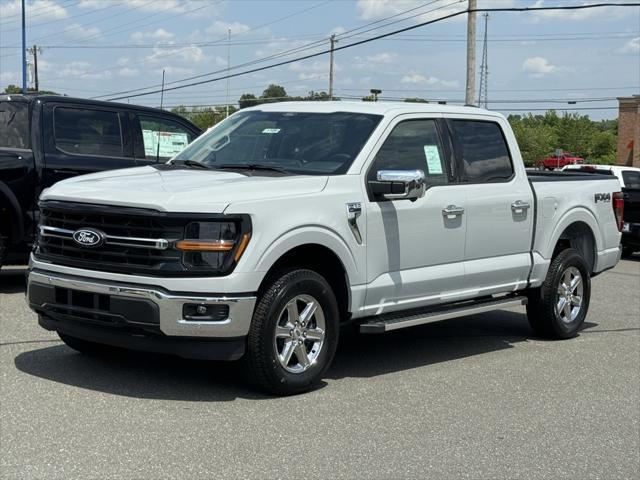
(519, 206)
(451, 211)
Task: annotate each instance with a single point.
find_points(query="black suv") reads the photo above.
(46, 138)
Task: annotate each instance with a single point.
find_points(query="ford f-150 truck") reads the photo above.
(560, 160)
(289, 220)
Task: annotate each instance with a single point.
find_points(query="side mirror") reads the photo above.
(399, 184)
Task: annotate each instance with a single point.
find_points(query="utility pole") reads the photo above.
(483, 95)
(34, 51)
(24, 52)
(333, 41)
(228, 65)
(471, 53)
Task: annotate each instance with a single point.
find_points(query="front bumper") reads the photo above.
(119, 307)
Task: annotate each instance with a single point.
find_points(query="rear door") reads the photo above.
(158, 138)
(499, 207)
(80, 139)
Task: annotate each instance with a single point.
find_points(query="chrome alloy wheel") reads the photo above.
(299, 333)
(570, 293)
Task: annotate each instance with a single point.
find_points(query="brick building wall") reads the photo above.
(629, 131)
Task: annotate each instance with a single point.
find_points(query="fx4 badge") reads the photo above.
(603, 197)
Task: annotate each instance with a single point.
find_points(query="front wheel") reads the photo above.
(293, 334)
(558, 308)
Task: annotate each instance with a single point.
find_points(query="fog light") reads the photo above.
(205, 313)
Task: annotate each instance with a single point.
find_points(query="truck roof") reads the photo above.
(379, 108)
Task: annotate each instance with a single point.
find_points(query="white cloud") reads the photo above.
(313, 70)
(10, 77)
(632, 46)
(190, 54)
(46, 10)
(174, 70)
(159, 34)
(538, 67)
(144, 5)
(221, 28)
(127, 72)
(76, 30)
(80, 69)
(379, 9)
(337, 31)
(576, 15)
(384, 57)
(416, 78)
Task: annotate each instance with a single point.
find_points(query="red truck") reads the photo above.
(559, 160)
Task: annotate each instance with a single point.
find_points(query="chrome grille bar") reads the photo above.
(134, 242)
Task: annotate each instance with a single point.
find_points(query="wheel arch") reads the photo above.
(577, 231)
(317, 256)
(10, 213)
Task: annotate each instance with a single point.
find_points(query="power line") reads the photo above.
(412, 27)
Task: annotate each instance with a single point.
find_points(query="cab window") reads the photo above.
(163, 138)
(87, 132)
(413, 145)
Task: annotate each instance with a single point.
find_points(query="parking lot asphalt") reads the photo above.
(476, 397)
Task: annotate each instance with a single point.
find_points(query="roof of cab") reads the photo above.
(378, 108)
(85, 101)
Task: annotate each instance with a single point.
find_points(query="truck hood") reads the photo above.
(180, 190)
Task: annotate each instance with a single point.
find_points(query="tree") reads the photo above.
(248, 100)
(14, 90)
(415, 100)
(274, 93)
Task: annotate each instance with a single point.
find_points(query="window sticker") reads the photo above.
(434, 165)
(171, 143)
(271, 130)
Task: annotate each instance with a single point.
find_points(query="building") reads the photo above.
(629, 131)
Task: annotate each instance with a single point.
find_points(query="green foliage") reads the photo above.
(415, 100)
(14, 90)
(276, 93)
(204, 117)
(540, 135)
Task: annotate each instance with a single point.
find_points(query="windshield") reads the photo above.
(297, 142)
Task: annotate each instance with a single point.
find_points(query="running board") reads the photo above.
(411, 318)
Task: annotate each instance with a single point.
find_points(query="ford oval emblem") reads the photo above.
(88, 237)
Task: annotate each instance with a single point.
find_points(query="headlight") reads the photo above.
(215, 246)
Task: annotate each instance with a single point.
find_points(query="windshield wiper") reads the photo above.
(251, 166)
(192, 163)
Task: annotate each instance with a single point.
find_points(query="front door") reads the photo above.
(415, 249)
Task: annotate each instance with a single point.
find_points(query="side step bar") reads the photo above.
(411, 318)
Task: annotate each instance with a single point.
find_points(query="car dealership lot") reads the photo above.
(474, 397)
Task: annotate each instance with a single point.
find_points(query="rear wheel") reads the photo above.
(558, 308)
(293, 334)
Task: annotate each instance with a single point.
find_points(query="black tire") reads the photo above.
(86, 347)
(627, 252)
(541, 309)
(262, 364)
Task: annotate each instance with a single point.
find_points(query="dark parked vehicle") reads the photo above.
(45, 139)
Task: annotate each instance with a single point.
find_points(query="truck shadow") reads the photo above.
(13, 280)
(150, 376)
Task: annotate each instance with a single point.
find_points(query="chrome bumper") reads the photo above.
(170, 305)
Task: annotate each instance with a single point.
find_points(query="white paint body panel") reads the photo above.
(410, 255)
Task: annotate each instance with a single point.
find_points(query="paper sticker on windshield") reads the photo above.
(434, 165)
(271, 130)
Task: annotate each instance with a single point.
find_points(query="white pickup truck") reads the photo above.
(289, 220)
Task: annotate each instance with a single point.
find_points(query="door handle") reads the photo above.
(452, 211)
(519, 206)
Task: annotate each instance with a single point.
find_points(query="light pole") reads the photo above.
(24, 52)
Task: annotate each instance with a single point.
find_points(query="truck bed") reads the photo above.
(565, 176)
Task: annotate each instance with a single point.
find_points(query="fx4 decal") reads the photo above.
(603, 197)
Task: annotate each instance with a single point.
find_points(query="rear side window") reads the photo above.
(14, 125)
(483, 150)
(413, 145)
(88, 132)
(163, 138)
(631, 179)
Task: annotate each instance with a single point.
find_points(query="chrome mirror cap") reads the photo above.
(412, 180)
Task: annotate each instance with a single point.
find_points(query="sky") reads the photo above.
(536, 60)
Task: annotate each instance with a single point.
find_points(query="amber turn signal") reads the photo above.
(205, 245)
(243, 245)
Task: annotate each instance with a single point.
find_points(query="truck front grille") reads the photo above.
(135, 240)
